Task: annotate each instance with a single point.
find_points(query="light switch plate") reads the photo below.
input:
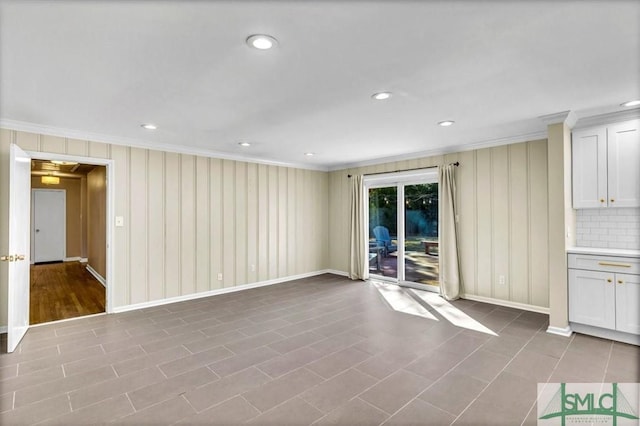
(119, 220)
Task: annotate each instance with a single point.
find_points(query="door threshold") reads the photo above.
(67, 319)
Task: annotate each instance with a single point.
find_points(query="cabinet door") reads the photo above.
(592, 298)
(624, 164)
(628, 303)
(589, 166)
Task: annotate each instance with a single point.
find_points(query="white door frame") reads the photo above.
(33, 216)
(398, 180)
(36, 155)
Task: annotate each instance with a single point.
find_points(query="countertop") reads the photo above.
(604, 251)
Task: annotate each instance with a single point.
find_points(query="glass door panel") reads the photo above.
(421, 247)
(383, 234)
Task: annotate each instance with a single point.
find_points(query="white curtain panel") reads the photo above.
(450, 278)
(358, 266)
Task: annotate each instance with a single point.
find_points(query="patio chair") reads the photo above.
(383, 239)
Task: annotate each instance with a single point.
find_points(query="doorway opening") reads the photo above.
(68, 240)
(403, 242)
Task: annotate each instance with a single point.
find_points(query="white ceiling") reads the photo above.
(100, 68)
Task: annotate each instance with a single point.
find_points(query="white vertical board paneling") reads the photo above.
(216, 213)
(467, 220)
(240, 260)
(172, 224)
(484, 222)
(252, 222)
(263, 222)
(138, 217)
(203, 225)
(77, 147)
(293, 255)
(121, 260)
(539, 224)
(187, 224)
(519, 223)
(283, 231)
(188, 218)
(54, 144)
(500, 220)
(274, 221)
(228, 223)
(155, 225)
(28, 141)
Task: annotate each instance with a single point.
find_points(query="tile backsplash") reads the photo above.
(608, 228)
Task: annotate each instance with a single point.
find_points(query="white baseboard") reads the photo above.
(506, 303)
(560, 331)
(632, 339)
(76, 259)
(218, 291)
(96, 275)
(336, 272)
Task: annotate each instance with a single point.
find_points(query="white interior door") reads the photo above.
(49, 220)
(18, 291)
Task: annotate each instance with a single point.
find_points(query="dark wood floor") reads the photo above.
(64, 290)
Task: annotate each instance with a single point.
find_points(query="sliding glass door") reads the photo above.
(403, 228)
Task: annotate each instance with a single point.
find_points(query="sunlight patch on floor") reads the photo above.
(400, 301)
(452, 314)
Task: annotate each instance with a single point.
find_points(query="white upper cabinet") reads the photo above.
(606, 166)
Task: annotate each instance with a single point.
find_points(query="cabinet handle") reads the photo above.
(619, 265)
(602, 200)
(612, 200)
(609, 280)
(620, 282)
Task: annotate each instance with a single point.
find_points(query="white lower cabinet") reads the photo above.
(604, 295)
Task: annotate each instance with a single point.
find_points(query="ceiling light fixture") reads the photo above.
(445, 123)
(149, 126)
(635, 102)
(64, 163)
(245, 144)
(261, 41)
(309, 154)
(50, 180)
(381, 96)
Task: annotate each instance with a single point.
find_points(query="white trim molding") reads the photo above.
(559, 331)
(23, 126)
(567, 117)
(72, 259)
(506, 303)
(96, 275)
(612, 117)
(3, 329)
(216, 292)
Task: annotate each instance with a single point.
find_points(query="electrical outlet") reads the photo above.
(220, 276)
(501, 280)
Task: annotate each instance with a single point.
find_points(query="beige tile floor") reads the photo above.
(321, 350)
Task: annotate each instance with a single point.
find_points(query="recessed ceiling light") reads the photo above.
(631, 103)
(245, 144)
(381, 96)
(309, 154)
(149, 126)
(262, 41)
(446, 123)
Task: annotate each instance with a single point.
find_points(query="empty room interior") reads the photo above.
(319, 212)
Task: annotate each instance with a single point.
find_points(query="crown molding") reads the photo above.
(23, 126)
(609, 118)
(567, 117)
(490, 143)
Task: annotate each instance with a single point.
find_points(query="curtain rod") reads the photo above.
(457, 163)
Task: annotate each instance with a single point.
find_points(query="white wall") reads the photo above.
(503, 204)
(188, 218)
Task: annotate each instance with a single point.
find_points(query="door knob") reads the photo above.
(37, 230)
(6, 258)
